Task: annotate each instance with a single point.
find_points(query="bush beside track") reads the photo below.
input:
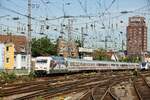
(11, 77)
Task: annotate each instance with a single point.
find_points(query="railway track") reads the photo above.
(44, 87)
(103, 91)
(109, 96)
(145, 73)
(48, 89)
(142, 88)
(71, 87)
(99, 91)
(34, 84)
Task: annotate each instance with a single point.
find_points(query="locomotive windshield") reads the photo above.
(143, 63)
(41, 61)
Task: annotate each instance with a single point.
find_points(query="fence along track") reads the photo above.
(142, 88)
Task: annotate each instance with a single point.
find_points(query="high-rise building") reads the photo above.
(136, 36)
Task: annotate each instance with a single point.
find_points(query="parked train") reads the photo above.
(54, 64)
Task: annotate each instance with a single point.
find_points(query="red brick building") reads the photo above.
(136, 36)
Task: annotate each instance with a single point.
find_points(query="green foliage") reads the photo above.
(101, 54)
(102, 57)
(134, 59)
(7, 77)
(78, 42)
(43, 47)
(32, 74)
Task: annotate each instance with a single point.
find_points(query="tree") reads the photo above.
(133, 59)
(43, 47)
(78, 42)
(101, 54)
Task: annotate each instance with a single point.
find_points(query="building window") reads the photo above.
(23, 58)
(7, 48)
(15, 58)
(23, 67)
(7, 60)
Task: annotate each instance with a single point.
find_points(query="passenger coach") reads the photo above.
(55, 64)
(78, 65)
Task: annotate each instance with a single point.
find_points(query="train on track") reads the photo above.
(56, 64)
(144, 65)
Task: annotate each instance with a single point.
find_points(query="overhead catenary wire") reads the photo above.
(84, 7)
(46, 6)
(62, 16)
(16, 12)
(117, 16)
(24, 15)
(16, 5)
(66, 16)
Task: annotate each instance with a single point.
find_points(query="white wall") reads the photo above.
(17, 61)
(20, 61)
(1, 56)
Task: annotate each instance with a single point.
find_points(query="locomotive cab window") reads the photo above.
(41, 61)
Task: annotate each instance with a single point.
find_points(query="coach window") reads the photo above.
(99, 64)
(103, 64)
(112, 64)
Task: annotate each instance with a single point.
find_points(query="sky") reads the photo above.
(106, 21)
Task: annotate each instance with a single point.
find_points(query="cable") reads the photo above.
(121, 14)
(84, 8)
(12, 2)
(113, 1)
(13, 11)
(45, 4)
